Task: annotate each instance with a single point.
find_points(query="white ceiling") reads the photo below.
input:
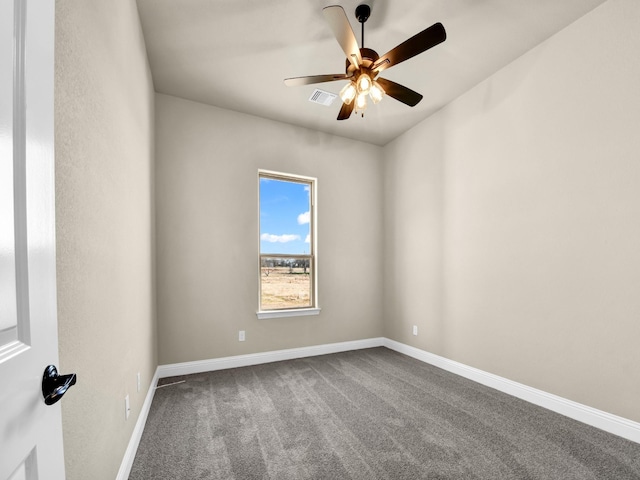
(235, 54)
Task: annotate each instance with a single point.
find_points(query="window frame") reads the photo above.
(312, 256)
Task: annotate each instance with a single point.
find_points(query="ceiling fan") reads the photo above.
(363, 65)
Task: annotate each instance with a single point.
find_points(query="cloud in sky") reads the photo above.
(267, 237)
(304, 218)
(308, 239)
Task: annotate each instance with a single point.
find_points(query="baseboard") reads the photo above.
(136, 435)
(188, 368)
(596, 418)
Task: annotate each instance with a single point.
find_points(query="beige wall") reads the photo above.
(512, 219)
(207, 229)
(104, 209)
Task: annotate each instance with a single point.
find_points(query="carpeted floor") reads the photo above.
(367, 414)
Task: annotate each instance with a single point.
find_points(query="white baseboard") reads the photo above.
(597, 418)
(236, 361)
(136, 435)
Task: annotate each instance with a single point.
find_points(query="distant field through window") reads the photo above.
(287, 261)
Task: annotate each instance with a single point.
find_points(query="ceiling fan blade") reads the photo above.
(298, 81)
(339, 23)
(429, 37)
(345, 111)
(400, 92)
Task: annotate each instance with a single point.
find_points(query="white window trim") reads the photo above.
(298, 312)
(295, 312)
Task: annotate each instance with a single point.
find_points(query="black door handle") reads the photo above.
(54, 386)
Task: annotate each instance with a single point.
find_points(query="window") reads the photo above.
(287, 245)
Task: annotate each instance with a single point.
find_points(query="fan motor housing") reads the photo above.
(369, 57)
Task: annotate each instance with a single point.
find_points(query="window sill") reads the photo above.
(299, 312)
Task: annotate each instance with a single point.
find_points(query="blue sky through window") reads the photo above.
(284, 216)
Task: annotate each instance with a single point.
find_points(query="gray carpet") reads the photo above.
(368, 414)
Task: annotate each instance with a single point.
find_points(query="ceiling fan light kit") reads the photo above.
(359, 90)
(377, 92)
(363, 65)
(348, 92)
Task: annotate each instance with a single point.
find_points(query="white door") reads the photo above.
(30, 431)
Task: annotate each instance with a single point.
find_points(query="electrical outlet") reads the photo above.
(415, 330)
(241, 336)
(127, 408)
(138, 382)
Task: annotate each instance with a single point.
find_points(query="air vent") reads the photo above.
(322, 97)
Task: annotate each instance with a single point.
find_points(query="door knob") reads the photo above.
(54, 386)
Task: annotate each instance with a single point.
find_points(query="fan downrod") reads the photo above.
(362, 14)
